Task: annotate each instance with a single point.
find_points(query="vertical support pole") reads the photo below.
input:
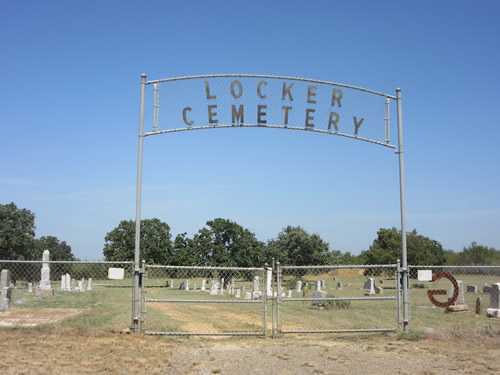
(398, 292)
(135, 289)
(278, 299)
(387, 130)
(143, 296)
(264, 312)
(273, 307)
(404, 269)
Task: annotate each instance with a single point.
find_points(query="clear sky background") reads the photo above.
(69, 110)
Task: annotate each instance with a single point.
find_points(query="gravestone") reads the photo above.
(73, 285)
(30, 287)
(5, 279)
(238, 293)
(471, 288)
(255, 286)
(298, 286)
(63, 283)
(171, 283)
(323, 283)
(494, 310)
(45, 287)
(181, 286)
(213, 289)
(339, 285)
(186, 285)
(68, 284)
(5, 296)
(379, 290)
(203, 282)
(479, 306)
(289, 293)
(243, 289)
(318, 286)
(248, 295)
(81, 287)
(318, 294)
(486, 288)
(461, 297)
(89, 284)
(269, 279)
(369, 286)
(195, 287)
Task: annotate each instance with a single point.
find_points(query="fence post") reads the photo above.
(398, 292)
(143, 297)
(264, 312)
(278, 298)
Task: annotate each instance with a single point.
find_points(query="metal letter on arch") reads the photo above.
(431, 293)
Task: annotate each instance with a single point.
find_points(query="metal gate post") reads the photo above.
(264, 309)
(135, 289)
(398, 292)
(278, 299)
(143, 297)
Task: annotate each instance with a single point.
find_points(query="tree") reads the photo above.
(17, 232)
(58, 250)
(156, 245)
(222, 243)
(479, 255)
(294, 246)
(386, 249)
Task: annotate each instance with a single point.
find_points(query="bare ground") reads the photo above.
(47, 350)
(56, 351)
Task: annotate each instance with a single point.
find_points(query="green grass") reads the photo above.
(109, 309)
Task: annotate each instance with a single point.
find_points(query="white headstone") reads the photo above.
(63, 283)
(289, 293)
(116, 273)
(30, 287)
(248, 295)
(81, 286)
(5, 279)
(186, 285)
(68, 282)
(214, 288)
(171, 283)
(369, 286)
(298, 286)
(5, 295)
(89, 284)
(203, 285)
(45, 273)
(238, 293)
(195, 287)
(255, 286)
(318, 285)
(269, 280)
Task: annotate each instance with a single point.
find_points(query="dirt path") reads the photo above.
(40, 351)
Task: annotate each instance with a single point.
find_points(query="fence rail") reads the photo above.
(189, 300)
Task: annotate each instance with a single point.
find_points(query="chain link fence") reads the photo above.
(98, 292)
(255, 301)
(205, 300)
(335, 299)
(431, 291)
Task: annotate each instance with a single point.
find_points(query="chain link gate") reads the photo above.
(337, 299)
(185, 300)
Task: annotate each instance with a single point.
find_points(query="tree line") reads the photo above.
(223, 242)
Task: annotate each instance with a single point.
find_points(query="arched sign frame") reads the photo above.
(385, 143)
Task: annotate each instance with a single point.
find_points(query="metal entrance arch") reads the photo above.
(244, 100)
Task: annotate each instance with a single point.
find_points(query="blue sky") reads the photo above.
(69, 110)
